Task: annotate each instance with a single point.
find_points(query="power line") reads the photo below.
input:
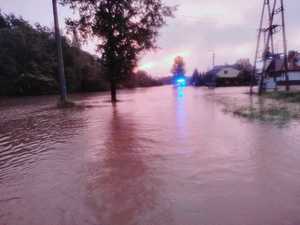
(268, 30)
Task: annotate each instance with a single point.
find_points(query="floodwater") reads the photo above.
(161, 156)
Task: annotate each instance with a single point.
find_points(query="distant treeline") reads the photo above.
(28, 64)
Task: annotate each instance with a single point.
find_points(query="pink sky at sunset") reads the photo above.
(226, 27)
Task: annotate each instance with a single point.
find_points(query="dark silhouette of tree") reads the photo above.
(195, 78)
(28, 64)
(178, 68)
(125, 28)
(141, 78)
(246, 70)
(244, 64)
(3, 22)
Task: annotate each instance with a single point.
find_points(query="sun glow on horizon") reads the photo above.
(146, 66)
(163, 60)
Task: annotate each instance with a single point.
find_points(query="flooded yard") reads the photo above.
(161, 156)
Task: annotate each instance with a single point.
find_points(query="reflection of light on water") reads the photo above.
(181, 113)
(180, 92)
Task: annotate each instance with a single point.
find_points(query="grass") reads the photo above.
(293, 97)
(277, 107)
(274, 113)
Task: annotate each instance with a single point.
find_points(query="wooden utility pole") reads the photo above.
(253, 76)
(268, 51)
(61, 70)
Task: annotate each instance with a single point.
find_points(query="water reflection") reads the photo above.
(24, 139)
(181, 113)
(163, 156)
(125, 190)
(180, 92)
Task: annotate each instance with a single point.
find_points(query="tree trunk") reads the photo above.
(113, 91)
(61, 71)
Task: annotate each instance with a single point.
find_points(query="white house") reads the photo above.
(225, 75)
(227, 72)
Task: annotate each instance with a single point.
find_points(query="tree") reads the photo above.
(244, 64)
(125, 28)
(246, 70)
(3, 23)
(178, 68)
(28, 64)
(195, 80)
(143, 79)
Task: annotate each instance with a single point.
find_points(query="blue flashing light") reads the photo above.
(181, 82)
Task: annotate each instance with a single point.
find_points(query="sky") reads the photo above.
(200, 27)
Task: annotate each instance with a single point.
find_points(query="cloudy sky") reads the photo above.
(226, 27)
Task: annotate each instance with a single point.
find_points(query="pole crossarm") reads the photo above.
(273, 10)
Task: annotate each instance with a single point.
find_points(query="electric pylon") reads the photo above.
(271, 25)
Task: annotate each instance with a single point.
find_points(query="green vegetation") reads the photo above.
(28, 62)
(260, 108)
(125, 29)
(274, 113)
(284, 96)
(141, 79)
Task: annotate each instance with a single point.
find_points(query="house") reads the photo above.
(228, 72)
(275, 69)
(225, 75)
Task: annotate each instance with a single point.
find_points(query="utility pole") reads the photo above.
(61, 71)
(268, 52)
(253, 77)
(287, 86)
(213, 59)
(269, 31)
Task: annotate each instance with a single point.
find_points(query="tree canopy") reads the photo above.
(178, 68)
(28, 63)
(124, 28)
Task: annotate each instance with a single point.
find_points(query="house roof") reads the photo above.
(217, 69)
(277, 64)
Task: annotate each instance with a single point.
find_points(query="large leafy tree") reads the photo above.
(124, 28)
(28, 64)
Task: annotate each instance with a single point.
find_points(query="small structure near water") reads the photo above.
(226, 75)
(276, 71)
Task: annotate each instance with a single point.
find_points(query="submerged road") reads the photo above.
(160, 157)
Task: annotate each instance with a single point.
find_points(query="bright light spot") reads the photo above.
(181, 82)
(147, 66)
(160, 62)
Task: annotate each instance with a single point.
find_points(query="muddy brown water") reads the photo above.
(160, 157)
